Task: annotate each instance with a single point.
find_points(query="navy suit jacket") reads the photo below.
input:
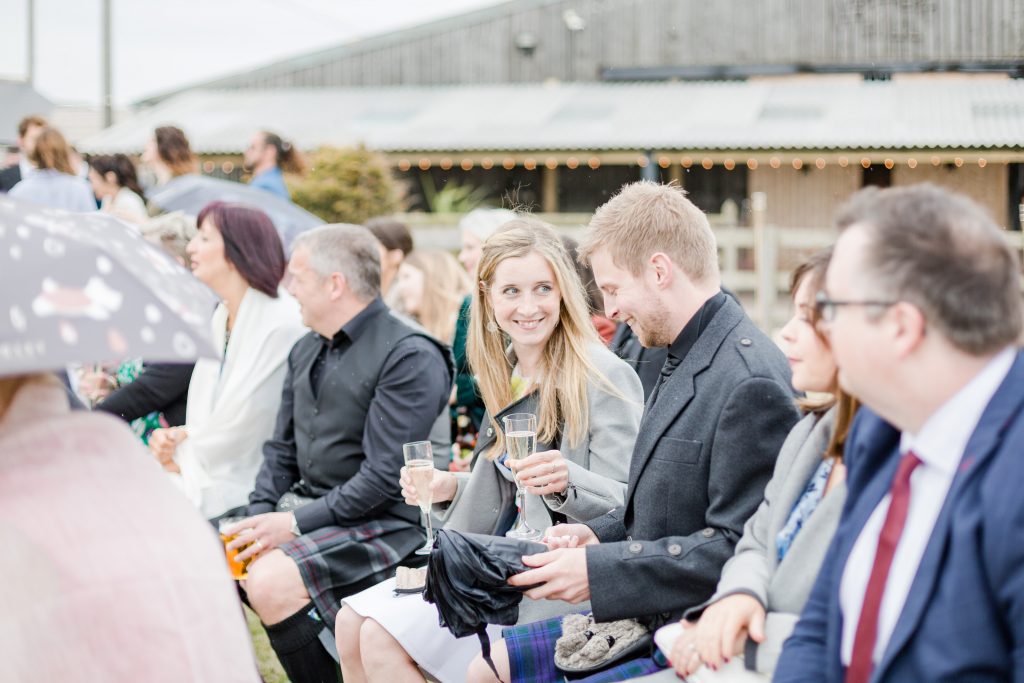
(964, 616)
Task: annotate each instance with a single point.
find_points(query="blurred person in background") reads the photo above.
(396, 244)
(28, 129)
(168, 155)
(116, 186)
(54, 183)
(431, 286)
(474, 229)
(268, 157)
(108, 573)
(232, 402)
(595, 300)
(147, 395)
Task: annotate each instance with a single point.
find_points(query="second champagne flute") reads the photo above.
(521, 442)
(419, 463)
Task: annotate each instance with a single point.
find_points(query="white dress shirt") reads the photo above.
(940, 445)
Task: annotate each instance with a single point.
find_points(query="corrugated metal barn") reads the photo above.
(556, 103)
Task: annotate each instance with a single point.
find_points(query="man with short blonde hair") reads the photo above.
(645, 218)
(711, 431)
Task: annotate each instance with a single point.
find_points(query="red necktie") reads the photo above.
(867, 628)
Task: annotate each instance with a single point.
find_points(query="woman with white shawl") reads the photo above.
(233, 403)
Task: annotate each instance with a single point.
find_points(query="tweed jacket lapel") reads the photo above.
(678, 390)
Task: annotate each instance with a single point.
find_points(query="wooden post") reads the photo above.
(765, 261)
(675, 174)
(549, 190)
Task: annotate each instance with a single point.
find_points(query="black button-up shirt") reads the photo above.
(398, 409)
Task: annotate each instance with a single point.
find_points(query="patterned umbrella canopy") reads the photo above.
(87, 288)
(190, 193)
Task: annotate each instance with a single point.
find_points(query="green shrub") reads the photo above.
(346, 185)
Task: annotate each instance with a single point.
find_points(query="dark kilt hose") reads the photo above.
(348, 405)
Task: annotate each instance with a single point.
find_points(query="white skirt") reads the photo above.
(413, 622)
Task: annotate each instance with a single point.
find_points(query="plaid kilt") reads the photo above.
(336, 561)
(531, 657)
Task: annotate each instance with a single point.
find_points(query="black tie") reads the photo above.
(671, 363)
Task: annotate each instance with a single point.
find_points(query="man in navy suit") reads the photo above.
(924, 580)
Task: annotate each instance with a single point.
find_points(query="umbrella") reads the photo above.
(190, 193)
(87, 288)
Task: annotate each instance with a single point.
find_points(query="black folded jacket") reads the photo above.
(467, 578)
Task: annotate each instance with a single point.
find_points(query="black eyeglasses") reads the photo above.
(826, 307)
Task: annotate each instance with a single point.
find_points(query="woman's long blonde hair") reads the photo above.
(445, 285)
(565, 365)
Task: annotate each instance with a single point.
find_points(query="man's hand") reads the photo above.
(562, 575)
(542, 473)
(164, 443)
(260, 533)
(569, 536)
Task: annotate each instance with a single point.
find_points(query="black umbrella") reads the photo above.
(467, 578)
(87, 288)
(190, 193)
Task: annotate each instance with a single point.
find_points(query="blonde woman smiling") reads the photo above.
(588, 405)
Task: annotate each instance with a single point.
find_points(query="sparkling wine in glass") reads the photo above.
(521, 442)
(419, 464)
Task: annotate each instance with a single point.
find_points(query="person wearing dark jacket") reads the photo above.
(327, 514)
(160, 387)
(707, 444)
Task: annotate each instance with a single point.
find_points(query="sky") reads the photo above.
(163, 44)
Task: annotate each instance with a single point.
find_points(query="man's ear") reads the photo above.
(660, 270)
(339, 285)
(906, 326)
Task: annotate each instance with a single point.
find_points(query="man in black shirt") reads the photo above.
(328, 516)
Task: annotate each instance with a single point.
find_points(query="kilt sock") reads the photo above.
(297, 644)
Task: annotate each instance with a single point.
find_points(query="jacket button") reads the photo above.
(707, 533)
(316, 411)
(312, 436)
(745, 342)
(675, 549)
(635, 548)
(490, 431)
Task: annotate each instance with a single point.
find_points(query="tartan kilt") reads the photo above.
(336, 561)
(531, 657)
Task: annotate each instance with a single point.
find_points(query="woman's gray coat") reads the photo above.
(754, 569)
(598, 465)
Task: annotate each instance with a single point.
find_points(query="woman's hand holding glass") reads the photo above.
(542, 473)
(720, 634)
(443, 487)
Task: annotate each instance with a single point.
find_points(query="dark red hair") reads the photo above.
(251, 243)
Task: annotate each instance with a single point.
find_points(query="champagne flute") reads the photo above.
(419, 463)
(521, 442)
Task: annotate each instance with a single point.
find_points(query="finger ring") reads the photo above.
(259, 544)
(691, 648)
